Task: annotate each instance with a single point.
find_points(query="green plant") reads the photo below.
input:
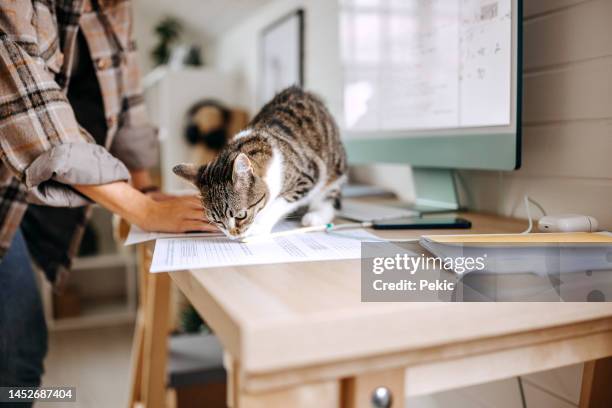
(168, 30)
(192, 322)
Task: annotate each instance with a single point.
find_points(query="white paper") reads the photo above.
(137, 235)
(176, 254)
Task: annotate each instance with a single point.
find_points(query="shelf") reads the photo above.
(95, 314)
(103, 261)
(104, 283)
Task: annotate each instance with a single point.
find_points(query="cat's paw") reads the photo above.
(315, 218)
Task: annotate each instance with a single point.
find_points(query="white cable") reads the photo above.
(534, 202)
(527, 200)
(528, 211)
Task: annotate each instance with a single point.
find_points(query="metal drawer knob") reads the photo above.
(382, 398)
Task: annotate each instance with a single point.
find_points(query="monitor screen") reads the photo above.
(419, 67)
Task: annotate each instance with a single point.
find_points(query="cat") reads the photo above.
(288, 157)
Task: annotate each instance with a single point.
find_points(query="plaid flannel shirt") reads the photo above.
(43, 150)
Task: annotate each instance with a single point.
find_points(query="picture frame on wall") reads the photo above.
(281, 55)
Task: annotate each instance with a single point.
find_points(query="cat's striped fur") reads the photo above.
(289, 156)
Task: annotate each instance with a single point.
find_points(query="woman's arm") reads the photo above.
(178, 214)
(141, 179)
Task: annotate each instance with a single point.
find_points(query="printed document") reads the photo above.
(175, 254)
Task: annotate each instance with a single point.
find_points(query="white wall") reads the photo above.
(237, 50)
(567, 126)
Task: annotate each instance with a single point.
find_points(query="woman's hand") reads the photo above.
(159, 196)
(177, 214)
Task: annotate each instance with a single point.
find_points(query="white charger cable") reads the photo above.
(527, 200)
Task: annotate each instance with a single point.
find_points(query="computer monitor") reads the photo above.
(434, 84)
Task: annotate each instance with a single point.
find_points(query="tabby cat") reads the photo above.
(289, 156)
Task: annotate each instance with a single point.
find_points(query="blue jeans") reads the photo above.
(23, 330)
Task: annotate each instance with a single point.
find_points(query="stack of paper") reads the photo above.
(176, 252)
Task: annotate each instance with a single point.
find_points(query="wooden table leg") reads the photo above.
(143, 253)
(136, 363)
(597, 384)
(357, 392)
(155, 353)
(231, 369)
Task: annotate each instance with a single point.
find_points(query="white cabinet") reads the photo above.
(169, 95)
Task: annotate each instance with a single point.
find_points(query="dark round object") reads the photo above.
(214, 139)
(596, 296)
(382, 398)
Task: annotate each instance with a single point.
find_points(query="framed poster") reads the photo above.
(281, 55)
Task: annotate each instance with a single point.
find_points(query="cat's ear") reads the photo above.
(187, 171)
(242, 168)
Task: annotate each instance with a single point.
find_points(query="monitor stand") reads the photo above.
(435, 193)
(435, 190)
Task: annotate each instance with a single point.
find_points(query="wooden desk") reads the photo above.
(299, 336)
